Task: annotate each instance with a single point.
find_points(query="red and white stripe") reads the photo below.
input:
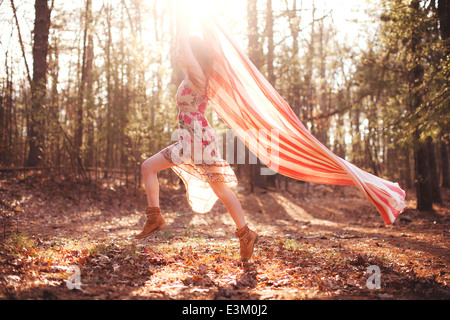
(246, 101)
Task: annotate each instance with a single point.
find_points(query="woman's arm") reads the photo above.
(187, 61)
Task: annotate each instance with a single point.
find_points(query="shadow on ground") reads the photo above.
(317, 242)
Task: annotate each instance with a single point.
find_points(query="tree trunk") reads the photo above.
(254, 51)
(444, 164)
(294, 88)
(270, 179)
(356, 137)
(423, 185)
(408, 170)
(321, 123)
(38, 89)
(422, 173)
(78, 138)
(55, 141)
(443, 11)
(110, 98)
(434, 177)
(7, 145)
(444, 19)
(89, 160)
(270, 46)
(310, 92)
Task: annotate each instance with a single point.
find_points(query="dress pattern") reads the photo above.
(196, 155)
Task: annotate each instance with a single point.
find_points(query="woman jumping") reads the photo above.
(195, 157)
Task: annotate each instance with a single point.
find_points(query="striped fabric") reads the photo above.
(245, 100)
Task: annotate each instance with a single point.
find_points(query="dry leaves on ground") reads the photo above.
(317, 242)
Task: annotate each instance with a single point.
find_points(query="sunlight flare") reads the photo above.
(197, 8)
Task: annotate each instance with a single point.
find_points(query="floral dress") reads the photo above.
(196, 155)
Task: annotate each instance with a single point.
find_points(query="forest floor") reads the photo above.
(317, 242)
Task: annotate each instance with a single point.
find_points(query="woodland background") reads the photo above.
(87, 92)
(97, 91)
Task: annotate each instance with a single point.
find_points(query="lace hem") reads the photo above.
(197, 179)
(205, 172)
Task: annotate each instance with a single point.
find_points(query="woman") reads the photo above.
(195, 157)
(248, 103)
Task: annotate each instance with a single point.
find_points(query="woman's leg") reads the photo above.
(231, 202)
(149, 170)
(247, 238)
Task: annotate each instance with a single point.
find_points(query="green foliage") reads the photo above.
(387, 68)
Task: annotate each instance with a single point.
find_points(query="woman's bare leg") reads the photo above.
(149, 170)
(230, 201)
(247, 238)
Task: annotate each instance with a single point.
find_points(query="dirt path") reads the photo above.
(317, 242)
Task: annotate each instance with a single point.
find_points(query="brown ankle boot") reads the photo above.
(155, 221)
(247, 239)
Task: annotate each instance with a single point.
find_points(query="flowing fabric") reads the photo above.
(245, 100)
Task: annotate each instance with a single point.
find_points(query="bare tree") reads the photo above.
(38, 89)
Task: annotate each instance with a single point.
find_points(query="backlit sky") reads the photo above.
(348, 17)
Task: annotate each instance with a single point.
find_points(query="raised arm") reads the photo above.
(187, 61)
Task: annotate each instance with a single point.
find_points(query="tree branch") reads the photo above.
(21, 43)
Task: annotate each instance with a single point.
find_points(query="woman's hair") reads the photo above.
(203, 54)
